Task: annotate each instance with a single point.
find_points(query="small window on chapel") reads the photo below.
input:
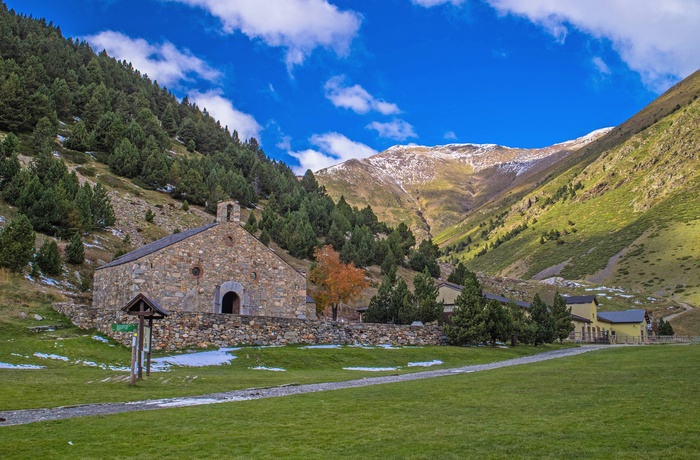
(196, 271)
(253, 275)
(228, 240)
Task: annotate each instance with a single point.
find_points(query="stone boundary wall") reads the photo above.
(188, 329)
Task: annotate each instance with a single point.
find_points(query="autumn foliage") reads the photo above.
(334, 282)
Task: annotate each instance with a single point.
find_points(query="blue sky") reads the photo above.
(321, 81)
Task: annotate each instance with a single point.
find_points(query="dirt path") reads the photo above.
(675, 315)
(21, 417)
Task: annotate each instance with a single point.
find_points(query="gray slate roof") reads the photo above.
(150, 248)
(580, 319)
(576, 299)
(489, 296)
(628, 316)
(506, 300)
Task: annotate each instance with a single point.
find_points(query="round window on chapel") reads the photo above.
(253, 275)
(196, 271)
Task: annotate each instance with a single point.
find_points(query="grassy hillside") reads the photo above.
(631, 221)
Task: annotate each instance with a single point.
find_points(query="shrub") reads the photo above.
(49, 258)
(75, 251)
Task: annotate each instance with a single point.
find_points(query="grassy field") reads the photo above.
(634, 402)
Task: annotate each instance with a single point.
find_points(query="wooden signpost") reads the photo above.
(144, 308)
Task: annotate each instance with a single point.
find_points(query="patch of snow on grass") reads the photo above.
(51, 356)
(20, 366)
(201, 359)
(435, 362)
(371, 369)
(100, 339)
(49, 281)
(322, 346)
(265, 368)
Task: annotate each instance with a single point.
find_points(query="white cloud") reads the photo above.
(300, 26)
(356, 98)
(285, 143)
(450, 136)
(162, 62)
(396, 129)
(333, 148)
(658, 39)
(600, 65)
(431, 3)
(222, 109)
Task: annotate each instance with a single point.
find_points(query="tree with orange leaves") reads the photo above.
(334, 282)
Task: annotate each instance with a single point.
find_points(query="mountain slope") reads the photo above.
(632, 219)
(431, 188)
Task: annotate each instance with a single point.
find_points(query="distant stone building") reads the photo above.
(216, 268)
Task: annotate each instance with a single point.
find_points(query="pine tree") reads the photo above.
(523, 328)
(17, 244)
(43, 136)
(403, 303)
(265, 238)
(75, 251)
(149, 215)
(297, 236)
(308, 182)
(380, 305)
(499, 323)
(62, 98)
(125, 159)
(252, 224)
(168, 121)
(469, 319)
(83, 203)
(49, 258)
(102, 212)
(541, 317)
(155, 169)
(665, 327)
(80, 139)
(561, 316)
(426, 295)
(335, 237)
(13, 104)
(9, 162)
(459, 274)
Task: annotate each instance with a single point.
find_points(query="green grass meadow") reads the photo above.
(631, 402)
(621, 402)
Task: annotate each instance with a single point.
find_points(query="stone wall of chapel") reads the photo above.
(224, 255)
(187, 330)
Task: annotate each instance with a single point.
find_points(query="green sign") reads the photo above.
(123, 327)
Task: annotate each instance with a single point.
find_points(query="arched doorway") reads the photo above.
(231, 303)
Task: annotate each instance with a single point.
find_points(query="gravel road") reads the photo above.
(21, 417)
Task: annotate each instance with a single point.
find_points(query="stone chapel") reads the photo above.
(216, 268)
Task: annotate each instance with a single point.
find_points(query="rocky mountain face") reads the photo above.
(432, 188)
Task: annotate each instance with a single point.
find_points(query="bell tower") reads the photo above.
(228, 211)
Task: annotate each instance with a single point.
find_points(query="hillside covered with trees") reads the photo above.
(59, 98)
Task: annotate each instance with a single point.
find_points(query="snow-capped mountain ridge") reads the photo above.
(454, 177)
